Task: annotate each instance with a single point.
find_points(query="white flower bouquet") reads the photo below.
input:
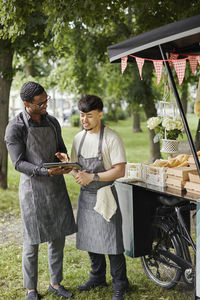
(166, 127)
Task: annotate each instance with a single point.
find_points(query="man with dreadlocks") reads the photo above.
(34, 137)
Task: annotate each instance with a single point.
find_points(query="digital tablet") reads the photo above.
(75, 165)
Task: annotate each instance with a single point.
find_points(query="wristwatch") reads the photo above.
(96, 177)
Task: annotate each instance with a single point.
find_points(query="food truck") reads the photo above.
(156, 200)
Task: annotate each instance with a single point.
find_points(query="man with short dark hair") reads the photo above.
(33, 137)
(101, 153)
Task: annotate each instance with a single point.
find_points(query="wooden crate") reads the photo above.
(192, 187)
(194, 176)
(175, 182)
(180, 172)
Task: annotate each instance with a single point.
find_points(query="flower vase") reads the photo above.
(169, 146)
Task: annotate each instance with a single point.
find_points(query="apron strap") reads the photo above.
(24, 117)
(100, 141)
(81, 143)
(54, 129)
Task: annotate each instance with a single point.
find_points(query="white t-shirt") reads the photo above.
(113, 150)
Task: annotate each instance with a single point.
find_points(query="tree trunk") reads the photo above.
(30, 68)
(150, 111)
(136, 122)
(197, 137)
(184, 96)
(6, 56)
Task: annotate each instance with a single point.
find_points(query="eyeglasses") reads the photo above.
(40, 105)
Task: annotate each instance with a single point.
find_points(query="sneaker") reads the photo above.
(61, 291)
(33, 295)
(91, 285)
(119, 295)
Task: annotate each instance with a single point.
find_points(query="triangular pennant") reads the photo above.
(124, 63)
(140, 63)
(179, 66)
(172, 57)
(193, 63)
(158, 65)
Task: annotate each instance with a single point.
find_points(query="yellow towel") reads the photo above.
(105, 204)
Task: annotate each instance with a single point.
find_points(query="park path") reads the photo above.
(11, 229)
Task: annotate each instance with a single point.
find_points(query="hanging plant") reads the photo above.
(166, 127)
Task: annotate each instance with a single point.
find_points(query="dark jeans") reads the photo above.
(117, 269)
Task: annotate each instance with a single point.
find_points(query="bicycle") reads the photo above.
(171, 257)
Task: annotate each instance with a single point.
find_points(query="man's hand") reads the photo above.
(83, 178)
(59, 170)
(62, 157)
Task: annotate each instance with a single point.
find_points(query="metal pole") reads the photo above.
(178, 101)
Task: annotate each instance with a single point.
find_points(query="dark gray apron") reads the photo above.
(95, 234)
(45, 206)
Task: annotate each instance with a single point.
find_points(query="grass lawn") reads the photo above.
(76, 263)
(76, 270)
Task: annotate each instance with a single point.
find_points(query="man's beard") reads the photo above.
(89, 129)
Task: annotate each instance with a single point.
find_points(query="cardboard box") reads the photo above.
(134, 170)
(154, 175)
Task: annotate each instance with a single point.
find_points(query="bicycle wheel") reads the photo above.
(159, 268)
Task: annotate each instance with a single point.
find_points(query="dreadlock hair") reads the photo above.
(90, 102)
(29, 90)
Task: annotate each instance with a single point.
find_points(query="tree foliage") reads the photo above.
(65, 43)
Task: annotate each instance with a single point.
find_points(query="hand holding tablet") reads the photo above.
(63, 165)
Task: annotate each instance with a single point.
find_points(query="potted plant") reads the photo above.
(167, 129)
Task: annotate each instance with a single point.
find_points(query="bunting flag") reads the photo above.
(140, 63)
(158, 65)
(193, 63)
(172, 57)
(124, 63)
(179, 66)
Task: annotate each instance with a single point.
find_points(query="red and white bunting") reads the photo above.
(140, 63)
(193, 63)
(179, 66)
(124, 63)
(172, 57)
(158, 65)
